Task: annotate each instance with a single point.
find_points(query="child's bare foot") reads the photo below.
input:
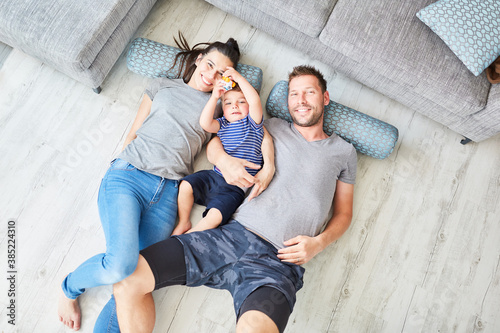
(69, 312)
(181, 228)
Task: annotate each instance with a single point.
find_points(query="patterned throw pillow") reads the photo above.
(370, 136)
(471, 29)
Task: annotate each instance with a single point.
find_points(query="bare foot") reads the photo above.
(69, 312)
(181, 228)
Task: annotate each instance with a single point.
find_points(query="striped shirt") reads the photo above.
(242, 139)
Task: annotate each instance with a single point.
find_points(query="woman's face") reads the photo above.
(209, 70)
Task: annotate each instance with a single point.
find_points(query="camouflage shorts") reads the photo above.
(235, 259)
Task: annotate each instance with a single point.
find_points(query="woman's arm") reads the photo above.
(142, 114)
(232, 168)
(266, 174)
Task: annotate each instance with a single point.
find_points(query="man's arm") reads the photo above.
(233, 169)
(266, 174)
(301, 249)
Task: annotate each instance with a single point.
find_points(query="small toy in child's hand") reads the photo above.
(228, 85)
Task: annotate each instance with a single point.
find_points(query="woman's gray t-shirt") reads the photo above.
(171, 136)
(299, 199)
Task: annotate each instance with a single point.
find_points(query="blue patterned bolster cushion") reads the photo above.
(368, 135)
(153, 59)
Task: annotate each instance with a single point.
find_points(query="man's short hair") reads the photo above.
(308, 70)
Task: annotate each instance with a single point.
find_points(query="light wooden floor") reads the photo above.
(422, 254)
(4, 53)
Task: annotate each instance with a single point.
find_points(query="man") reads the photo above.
(258, 255)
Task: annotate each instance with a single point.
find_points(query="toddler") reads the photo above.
(241, 132)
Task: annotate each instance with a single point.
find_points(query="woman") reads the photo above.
(138, 195)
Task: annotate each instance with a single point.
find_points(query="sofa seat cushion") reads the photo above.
(391, 41)
(60, 32)
(309, 17)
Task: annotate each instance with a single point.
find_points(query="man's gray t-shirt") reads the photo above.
(299, 199)
(171, 137)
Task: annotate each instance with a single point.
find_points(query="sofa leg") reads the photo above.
(465, 140)
(97, 90)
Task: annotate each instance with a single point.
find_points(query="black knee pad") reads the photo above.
(269, 301)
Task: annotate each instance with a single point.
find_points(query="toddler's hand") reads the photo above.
(233, 74)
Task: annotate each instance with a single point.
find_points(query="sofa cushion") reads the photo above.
(68, 33)
(471, 28)
(307, 16)
(405, 52)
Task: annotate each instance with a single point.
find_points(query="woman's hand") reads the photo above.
(218, 90)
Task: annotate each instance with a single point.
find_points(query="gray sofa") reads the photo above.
(82, 38)
(383, 45)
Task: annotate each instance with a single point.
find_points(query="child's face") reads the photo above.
(234, 105)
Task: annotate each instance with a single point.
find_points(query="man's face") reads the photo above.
(306, 101)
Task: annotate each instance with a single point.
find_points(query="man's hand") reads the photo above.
(262, 180)
(300, 249)
(233, 171)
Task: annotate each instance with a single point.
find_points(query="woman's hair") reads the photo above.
(188, 55)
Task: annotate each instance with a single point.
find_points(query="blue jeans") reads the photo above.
(137, 209)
